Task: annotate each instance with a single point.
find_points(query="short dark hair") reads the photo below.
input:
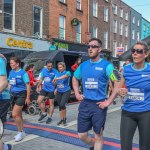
(16, 60)
(98, 40)
(49, 62)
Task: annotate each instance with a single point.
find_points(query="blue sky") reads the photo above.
(142, 6)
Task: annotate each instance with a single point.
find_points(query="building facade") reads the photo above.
(68, 20)
(135, 26)
(145, 28)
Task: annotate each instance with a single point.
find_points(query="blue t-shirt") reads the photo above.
(5, 94)
(63, 85)
(95, 77)
(18, 80)
(48, 76)
(138, 85)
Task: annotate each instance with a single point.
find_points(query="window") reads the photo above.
(95, 9)
(62, 20)
(138, 36)
(114, 7)
(133, 34)
(144, 27)
(126, 47)
(121, 29)
(79, 4)
(126, 31)
(138, 23)
(115, 48)
(133, 20)
(120, 44)
(78, 32)
(105, 40)
(37, 21)
(9, 22)
(63, 1)
(115, 26)
(121, 13)
(94, 33)
(126, 15)
(105, 14)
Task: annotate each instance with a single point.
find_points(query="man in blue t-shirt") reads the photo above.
(95, 74)
(4, 97)
(46, 77)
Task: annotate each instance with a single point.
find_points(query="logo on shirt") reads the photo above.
(145, 75)
(97, 68)
(18, 76)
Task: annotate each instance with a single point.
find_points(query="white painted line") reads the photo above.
(27, 138)
(114, 109)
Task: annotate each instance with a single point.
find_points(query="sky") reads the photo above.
(142, 6)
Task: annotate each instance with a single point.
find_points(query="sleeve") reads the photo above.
(109, 70)
(3, 71)
(26, 78)
(77, 73)
(74, 67)
(68, 73)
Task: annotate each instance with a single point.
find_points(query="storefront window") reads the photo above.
(8, 14)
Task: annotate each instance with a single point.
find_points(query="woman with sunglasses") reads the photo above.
(136, 107)
(19, 86)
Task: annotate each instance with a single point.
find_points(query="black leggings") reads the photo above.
(62, 99)
(129, 122)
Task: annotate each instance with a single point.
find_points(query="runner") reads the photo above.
(19, 86)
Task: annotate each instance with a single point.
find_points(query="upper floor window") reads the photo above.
(121, 13)
(105, 14)
(78, 32)
(126, 15)
(94, 32)
(133, 34)
(138, 23)
(126, 31)
(126, 47)
(115, 26)
(121, 29)
(133, 20)
(62, 20)
(138, 36)
(9, 14)
(114, 7)
(63, 1)
(105, 40)
(37, 20)
(79, 4)
(95, 9)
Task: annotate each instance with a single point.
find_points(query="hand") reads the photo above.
(27, 101)
(123, 92)
(79, 97)
(54, 81)
(55, 92)
(104, 104)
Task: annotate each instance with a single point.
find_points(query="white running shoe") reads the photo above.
(19, 136)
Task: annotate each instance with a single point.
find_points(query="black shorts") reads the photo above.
(50, 95)
(4, 105)
(19, 98)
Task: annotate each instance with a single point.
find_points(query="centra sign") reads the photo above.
(74, 22)
(19, 43)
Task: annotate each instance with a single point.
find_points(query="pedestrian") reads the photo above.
(4, 97)
(76, 64)
(62, 81)
(136, 107)
(19, 86)
(95, 74)
(47, 91)
(30, 71)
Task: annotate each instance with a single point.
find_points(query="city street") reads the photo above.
(42, 137)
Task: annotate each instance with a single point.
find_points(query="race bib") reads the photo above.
(47, 79)
(12, 81)
(136, 94)
(60, 86)
(91, 83)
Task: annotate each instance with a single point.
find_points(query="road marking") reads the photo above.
(114, 109)
(27, 138)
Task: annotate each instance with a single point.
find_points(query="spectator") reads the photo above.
(76, 64)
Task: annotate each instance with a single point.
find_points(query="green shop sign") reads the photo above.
(61, 46)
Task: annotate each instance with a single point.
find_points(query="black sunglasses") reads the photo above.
(93, 46)
(138, 51)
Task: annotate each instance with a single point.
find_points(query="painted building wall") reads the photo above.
(145, 28)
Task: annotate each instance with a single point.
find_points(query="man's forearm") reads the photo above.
(75, 84)
(3, 85)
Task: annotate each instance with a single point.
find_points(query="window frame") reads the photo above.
(79, 34)
(62, 28)
(95, 9)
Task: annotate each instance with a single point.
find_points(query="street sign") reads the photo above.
(120, 50)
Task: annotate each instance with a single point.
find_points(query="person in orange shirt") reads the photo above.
(76, 64)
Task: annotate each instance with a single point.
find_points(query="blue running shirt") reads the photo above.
(95, 77)
(138, 85)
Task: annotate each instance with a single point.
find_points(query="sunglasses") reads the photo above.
(93, 46)
(138, 51)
